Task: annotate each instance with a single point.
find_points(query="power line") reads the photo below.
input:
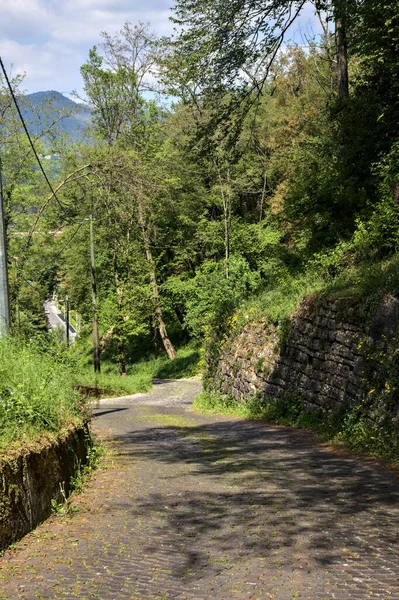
(54, 258)
(31, 143)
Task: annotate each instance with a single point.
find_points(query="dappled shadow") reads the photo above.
(262, 491)
(179, 367)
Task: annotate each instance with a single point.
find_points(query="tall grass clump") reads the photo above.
(36, 393)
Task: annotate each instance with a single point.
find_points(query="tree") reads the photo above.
(28, 217)
(115, 80)
(113, 96)
(114, 84)
(225, 49)
(134, 47)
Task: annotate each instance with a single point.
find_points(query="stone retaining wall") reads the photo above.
(320, 356)
(31, 480)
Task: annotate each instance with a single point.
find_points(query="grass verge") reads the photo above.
(366, 282)
(356, 430)
(36, 394)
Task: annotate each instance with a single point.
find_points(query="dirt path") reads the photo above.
(203, 507)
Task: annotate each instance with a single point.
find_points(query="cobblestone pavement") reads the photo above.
(202, 507)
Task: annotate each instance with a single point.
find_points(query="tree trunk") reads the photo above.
(171, 352)
(96, 342)
(342, 61)
(226, 217)
(263, 196)
(155, 338)
(179, 314)
(121, 357)
(118, 330)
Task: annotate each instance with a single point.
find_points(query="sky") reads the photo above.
(48, 40)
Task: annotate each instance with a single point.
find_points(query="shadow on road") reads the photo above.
(263, 490)
(100, 413)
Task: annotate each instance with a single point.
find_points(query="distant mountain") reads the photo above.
(43, 108)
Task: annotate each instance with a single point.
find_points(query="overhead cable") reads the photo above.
(30, 141)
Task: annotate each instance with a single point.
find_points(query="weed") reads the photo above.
(260, 363)
(64, 507)
(95, 451)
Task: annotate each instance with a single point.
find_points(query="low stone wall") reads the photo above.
(30, 481)
(320, 354)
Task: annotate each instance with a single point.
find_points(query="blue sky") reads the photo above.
(49, 40)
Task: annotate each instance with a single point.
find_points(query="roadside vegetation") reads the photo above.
(139, 375)
(358, 430)
(231, 202)
(37, 396)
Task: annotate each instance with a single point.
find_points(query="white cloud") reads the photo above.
(23, 21)
(85, 34)
(22, 8)
(50, 39)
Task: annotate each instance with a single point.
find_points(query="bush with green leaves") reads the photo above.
(379, 236)
(210, 297)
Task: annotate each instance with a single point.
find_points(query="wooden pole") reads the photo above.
(5, 321)
(96, 340)
(67, 320)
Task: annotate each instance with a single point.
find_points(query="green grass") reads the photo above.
(358, 282)
(280, 302)
(366, 280)
(215, 405)
(357, 429)
(139, 375)
(360, 429)
(36, 394)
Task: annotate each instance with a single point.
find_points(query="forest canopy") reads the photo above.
(266, 165)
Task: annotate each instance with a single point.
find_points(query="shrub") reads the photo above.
(209, 297)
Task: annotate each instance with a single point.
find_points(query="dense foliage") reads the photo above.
(262, 173)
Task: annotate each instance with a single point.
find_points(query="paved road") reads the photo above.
(56, 319)
(200, 507)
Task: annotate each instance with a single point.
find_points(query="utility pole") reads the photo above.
(96, 341)
(67, 320)
(5, 321)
